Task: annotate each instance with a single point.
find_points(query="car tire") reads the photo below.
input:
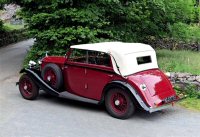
(52, 75)
(119, 104)
(28, 89)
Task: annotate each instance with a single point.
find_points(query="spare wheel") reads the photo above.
(52, 74)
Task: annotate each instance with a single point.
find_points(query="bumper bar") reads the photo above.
(154, 109)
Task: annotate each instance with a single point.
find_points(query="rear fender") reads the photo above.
(133, 92)
(34, 74)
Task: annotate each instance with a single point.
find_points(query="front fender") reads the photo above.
(35, 76)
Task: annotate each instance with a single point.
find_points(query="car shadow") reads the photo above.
(139, 114)
(72, 103)
(155, 116)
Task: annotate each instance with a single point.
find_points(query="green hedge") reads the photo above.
(8, 37)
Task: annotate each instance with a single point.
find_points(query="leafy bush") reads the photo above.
(8, 37)
(179, 10)
(190, 91)
(1, 27)
(185, 32)
(58, 24)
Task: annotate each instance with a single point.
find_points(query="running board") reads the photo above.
(68, 95)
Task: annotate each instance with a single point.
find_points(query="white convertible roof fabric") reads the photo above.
(118, 47)
(125, 55)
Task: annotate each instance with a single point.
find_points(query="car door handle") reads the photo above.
(110, 76)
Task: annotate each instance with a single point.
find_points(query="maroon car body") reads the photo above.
(93, 75)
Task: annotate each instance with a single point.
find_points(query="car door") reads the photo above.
(98, 73)
(74, 72)
(87, 73)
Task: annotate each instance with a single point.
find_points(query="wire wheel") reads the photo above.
(119, 104)
(52, 75)
(28, 88)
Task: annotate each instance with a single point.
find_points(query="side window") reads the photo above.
(78, 55)
(99, 58)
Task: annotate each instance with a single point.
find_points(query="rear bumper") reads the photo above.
(154, 109)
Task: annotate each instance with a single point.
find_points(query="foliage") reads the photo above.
(58, 24)
(178, 10)
(193, 97)
(12, 36)
(2, 2)
(1, 27)
(179, 61)
(190, 91)
(185, 32)
(9, 26)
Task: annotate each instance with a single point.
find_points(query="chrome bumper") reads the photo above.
(154, 109)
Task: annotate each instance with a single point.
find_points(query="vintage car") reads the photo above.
(122, 76)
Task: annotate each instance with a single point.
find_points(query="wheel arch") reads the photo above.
(131, 90)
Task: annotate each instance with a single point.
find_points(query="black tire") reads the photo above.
(52, 75)
(119, 104)
(28, 89)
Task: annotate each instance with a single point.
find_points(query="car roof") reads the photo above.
(124, 55)
(117, 47)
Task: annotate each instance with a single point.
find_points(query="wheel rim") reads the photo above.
(50, 77)
(119, 103)
(26, 87)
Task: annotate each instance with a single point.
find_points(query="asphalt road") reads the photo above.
(52, 117)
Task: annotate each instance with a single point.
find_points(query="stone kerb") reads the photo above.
(184, 79)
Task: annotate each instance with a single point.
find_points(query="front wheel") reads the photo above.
(28, 89)
(119, 104)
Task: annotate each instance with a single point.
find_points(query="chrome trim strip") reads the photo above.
(68, 95)
(36, 75)
(133, 91)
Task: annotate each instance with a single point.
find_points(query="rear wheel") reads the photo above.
(119, 104)
(28, 89)
(52, 75)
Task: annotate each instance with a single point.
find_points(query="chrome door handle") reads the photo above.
(110, 76)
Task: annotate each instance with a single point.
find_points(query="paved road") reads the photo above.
(52, 117)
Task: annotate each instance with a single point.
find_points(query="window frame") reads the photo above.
(87, 59)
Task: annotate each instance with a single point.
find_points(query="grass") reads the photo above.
(179, 61)
(182, 61)
(191, 103)
(8, 26)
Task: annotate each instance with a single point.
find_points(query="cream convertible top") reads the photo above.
(125, 55)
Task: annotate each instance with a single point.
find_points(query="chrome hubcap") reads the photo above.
(117, 102)
(49, 78)
(25, 87)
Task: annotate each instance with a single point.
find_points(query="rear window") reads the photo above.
(144, 60)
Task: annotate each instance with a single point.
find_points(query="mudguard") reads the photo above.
(141, 102)
(35, 76)
(133, 92)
